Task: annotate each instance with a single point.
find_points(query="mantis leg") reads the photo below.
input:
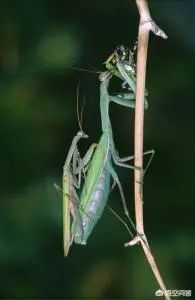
(120, 161)
(116, 179)
(128, 77)
(75, 159)
(81, 165)
(151, 152)
(58, 188)
(121, 164)
(127, 100)
(84, 163)
(76, 181)
(76, 215)
(119, 99)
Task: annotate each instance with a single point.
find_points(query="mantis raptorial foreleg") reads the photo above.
(84, 162)
(121, 64)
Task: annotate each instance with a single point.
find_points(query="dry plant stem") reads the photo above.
(146, 24)
(139, 124)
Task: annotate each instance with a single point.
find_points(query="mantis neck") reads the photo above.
(104, 107)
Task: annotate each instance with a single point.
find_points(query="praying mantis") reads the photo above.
(70, 184)
(97, 183)
(99, 163)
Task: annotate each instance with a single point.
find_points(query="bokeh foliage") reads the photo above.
(40, 42)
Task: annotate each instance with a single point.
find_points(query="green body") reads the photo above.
(69, 185)
(97, 184)
(72, 170)
(96, 189)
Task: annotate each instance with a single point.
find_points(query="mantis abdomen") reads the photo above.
(95, 191)
(94, 209)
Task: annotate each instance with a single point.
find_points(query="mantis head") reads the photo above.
(82, 134)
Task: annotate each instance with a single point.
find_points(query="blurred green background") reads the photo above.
(40, 42)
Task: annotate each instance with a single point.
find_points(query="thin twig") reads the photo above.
(145, 26)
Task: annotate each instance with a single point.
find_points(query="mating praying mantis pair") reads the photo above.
(81, 213)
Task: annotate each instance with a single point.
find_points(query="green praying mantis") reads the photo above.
(97, 183)
(70, 184)
(98, 162)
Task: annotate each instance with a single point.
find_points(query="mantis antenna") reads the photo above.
(86, 70)
(80, 117)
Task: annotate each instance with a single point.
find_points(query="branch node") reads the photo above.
(152, 26)
(133, 242)
(138, 239)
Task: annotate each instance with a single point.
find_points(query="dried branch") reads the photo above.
(145, 26)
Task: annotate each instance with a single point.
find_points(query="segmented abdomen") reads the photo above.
(94, 207)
